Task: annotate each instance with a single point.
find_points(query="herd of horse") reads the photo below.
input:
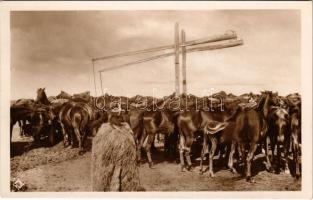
(235, 127)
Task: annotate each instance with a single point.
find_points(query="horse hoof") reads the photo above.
(81, 152)
(151, 166)
(234, 171)
(189, 168)
(250, 179)
(270, 170)
(287, 171)
(211, 174)
(298, 176)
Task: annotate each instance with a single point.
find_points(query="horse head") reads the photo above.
(280, 120)
(42, 97)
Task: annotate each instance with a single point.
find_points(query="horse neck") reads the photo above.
(43, 99)
(264, 105)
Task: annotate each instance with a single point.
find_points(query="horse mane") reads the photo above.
(263, 104)
(260, 103)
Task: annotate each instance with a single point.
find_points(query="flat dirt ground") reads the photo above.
(62, 169)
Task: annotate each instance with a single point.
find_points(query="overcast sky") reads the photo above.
(54, 50)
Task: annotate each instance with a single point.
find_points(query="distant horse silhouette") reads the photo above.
(42, 97)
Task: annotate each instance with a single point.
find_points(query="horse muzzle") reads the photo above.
(280, 138)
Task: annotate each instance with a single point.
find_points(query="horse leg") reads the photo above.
(242, 150)
(279, 157)
(213, 140)
(286, 157)
(65, 135)
(181, 151)
(166, 145)
(204, 147)
(71, 137)
(84, 138)
(21, 128)
(249, 159)
(268, 161)
(11, 130)
(296, 156)
(23, 125)
(231, 157)
(241, 153)
(78, 136)
(140, 145)
(150, 140)
(273, 158)
(189, 142)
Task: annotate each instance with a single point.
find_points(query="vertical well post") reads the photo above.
(184, 55)
(94, 77)
(101, 82)
(176, 49)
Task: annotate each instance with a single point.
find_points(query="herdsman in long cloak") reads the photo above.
(114, 159)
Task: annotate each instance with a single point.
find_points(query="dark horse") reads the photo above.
(295, 126)
(42, 97)
(279, 135)
(39, 116)
(22, 119)
(18, 113)
(78, 120)
(251, 129)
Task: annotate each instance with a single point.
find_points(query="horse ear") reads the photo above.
(44, 88)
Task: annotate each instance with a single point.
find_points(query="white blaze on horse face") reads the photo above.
(41, 119)
(281, 113)
(281, 123)
(281, 117)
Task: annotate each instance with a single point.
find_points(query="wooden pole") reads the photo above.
(176, 50)
(226, 36)
(101, 82)
(184, 55)
(226, 44)
(94, 77)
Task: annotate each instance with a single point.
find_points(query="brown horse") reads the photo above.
(209, 121)
(279, 135)
(39, 117)
(18, 113)
(251, 129)
(26, 103)
(218, 129)
(155, 122)
(65, 122)
(295, 126)
(78, 120)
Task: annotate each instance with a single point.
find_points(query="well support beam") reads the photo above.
(176, 50)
